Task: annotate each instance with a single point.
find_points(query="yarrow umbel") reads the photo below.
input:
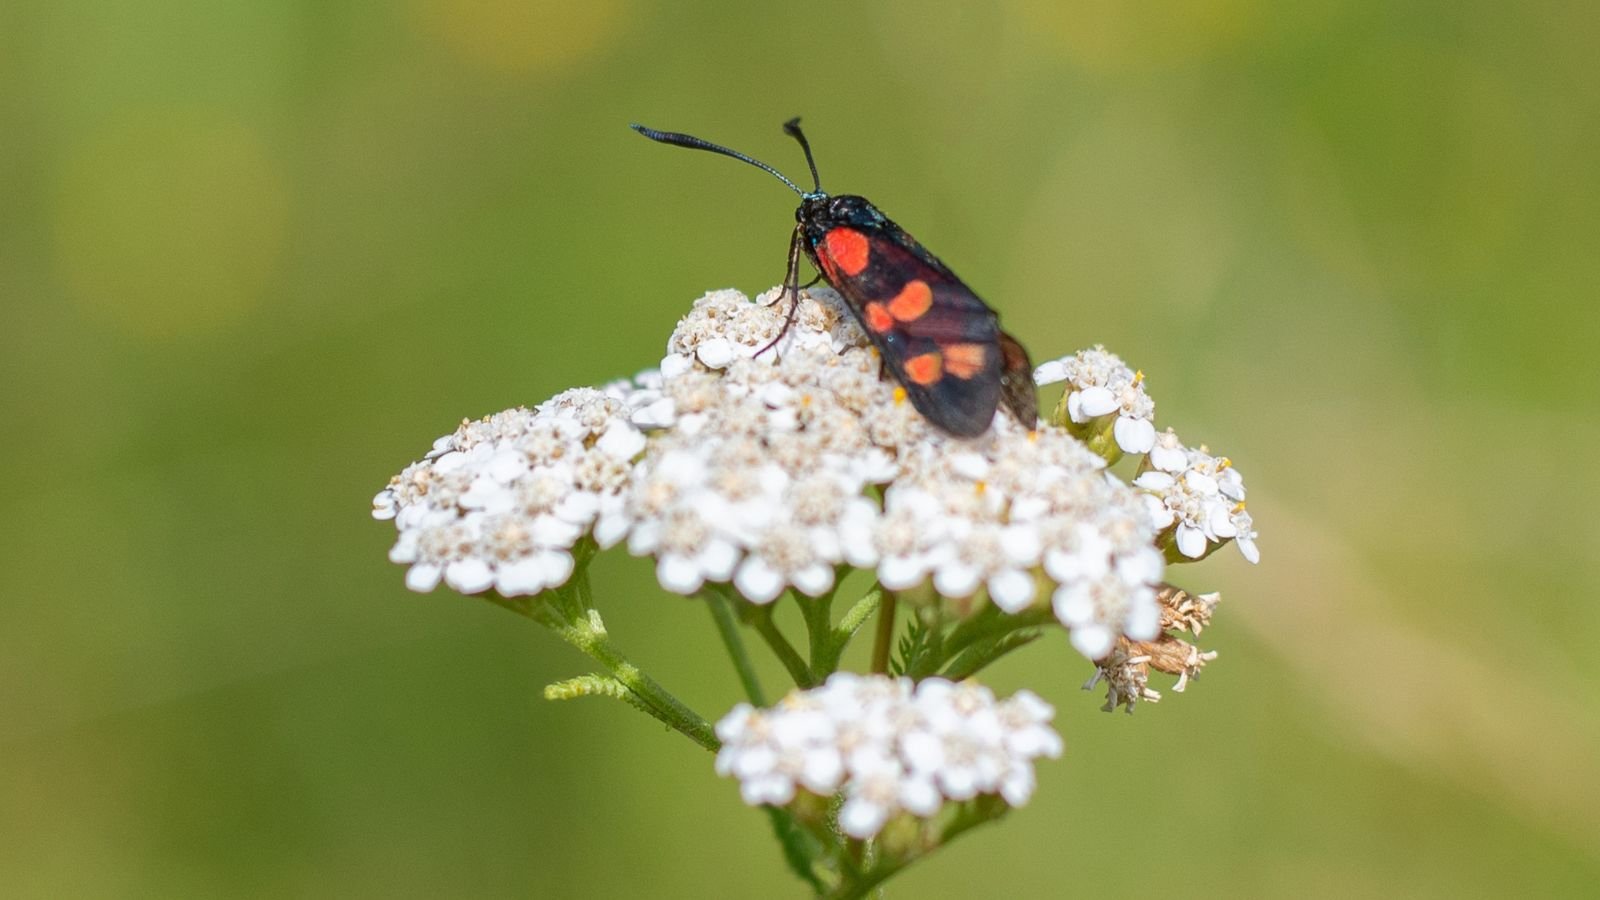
(755, 462)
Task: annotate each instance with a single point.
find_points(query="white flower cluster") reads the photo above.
(764, 480)
(772, 466)
(1199, 496)
(1101, 384)
(889, 746)
(501, 501)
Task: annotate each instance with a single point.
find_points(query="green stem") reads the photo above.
(799, 847)
(850, 623)
(970, 630)
(728, 630)
(588, 634)
(979, 656)
(884, 641)
(991, 623)
(818, 613)
(573, 620)
(764, 626)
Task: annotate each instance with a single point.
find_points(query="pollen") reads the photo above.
(899, 395)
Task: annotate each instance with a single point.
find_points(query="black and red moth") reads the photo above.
(942, 343)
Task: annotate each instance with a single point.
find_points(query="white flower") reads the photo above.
(1246, 538)
(889, 747)
(871, 797)
(1197, 498)
(1098, 611)
(1168, 453)
(1100, 385)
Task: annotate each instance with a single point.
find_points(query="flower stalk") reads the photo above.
(728, 630)
(819, 631)
(884, 639)
(761, 620)
(570, 616)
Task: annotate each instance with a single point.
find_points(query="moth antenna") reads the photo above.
(792, 129)
(694, 143)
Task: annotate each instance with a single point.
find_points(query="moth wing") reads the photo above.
(1017, 390)
(945, 350)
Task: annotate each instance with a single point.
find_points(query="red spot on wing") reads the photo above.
(848, 250)
(878, 318)
(913, 300)
(964, 360)
(925, 369)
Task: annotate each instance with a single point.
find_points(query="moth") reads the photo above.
(936, 337)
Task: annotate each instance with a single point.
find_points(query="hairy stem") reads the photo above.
(588, 634)
(594, 686)
(569, 614)
(850, 623)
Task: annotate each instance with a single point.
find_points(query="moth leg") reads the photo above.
(791, 289)
(791, 274)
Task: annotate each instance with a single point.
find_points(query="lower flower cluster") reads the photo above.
(890, 746)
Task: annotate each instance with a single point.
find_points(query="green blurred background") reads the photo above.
(255, 256)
